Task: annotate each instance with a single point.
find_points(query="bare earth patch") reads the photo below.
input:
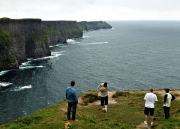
(110, 99)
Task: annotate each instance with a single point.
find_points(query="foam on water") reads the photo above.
(20, 88)
(70, 40)
(5, 84)
(3, 72)
(29, 67)
(95, 43)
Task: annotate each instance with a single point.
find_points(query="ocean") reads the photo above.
(133, 55)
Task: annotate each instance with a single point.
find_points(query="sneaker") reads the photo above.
(145, 122)
(105, 110)
(75, 120)
(152, 123)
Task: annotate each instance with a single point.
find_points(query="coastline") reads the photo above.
(120, 108)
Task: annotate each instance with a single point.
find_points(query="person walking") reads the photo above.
(72, 97)
(168, 97)
(149, 100)
(103, 88)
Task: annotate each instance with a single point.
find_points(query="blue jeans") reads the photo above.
(71, 107)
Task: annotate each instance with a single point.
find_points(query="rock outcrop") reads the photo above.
(93, 25)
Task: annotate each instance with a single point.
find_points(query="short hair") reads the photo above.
(105, 84)
(167, 90)
(72, 83)
(151, 90)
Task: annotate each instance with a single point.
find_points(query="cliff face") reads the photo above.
(96, 25)
(60, 31)
(30, 38)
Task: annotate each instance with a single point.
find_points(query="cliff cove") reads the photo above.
(30, 38)
(133, 55)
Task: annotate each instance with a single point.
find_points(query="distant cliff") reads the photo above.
(30, 38)
(59, 31)
(93, 25)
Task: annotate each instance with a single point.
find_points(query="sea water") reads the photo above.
(132, 55)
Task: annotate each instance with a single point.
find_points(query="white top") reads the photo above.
(168, 100)
(150, 99)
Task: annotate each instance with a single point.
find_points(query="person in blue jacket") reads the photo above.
(72, 97)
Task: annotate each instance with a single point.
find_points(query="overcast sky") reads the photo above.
(91, 10)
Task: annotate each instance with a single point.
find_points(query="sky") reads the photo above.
(91, 10)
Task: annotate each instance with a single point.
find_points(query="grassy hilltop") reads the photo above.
(125, 111)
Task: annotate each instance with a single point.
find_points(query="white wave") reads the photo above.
(48, 57)
(86, 37)
(3, 72)
(70, 40)
(26, 63)
(21, 88)
(29, 59)
(29, 67)
(26, 87)
(5, 84)
(95, 43)
(53, 55)
(40, 66)
(57, 45)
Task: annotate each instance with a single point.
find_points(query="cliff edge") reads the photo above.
(30, 38)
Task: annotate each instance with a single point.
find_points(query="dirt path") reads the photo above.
(110, 99)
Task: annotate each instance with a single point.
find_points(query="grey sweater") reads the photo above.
(103, 90)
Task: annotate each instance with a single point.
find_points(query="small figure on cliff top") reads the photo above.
(149, 100)
(72, 97)
(103, 88)
(168, 97)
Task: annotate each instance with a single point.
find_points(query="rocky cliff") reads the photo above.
(93, 25)
(30, 38)
(59, 31)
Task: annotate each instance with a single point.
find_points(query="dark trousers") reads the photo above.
(104, 101)
(71, 107)
(166, 112)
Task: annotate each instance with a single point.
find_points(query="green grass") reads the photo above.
(127, 113)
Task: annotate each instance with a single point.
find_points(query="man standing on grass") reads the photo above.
(72, 97)
(149, 100)
(167, 103)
